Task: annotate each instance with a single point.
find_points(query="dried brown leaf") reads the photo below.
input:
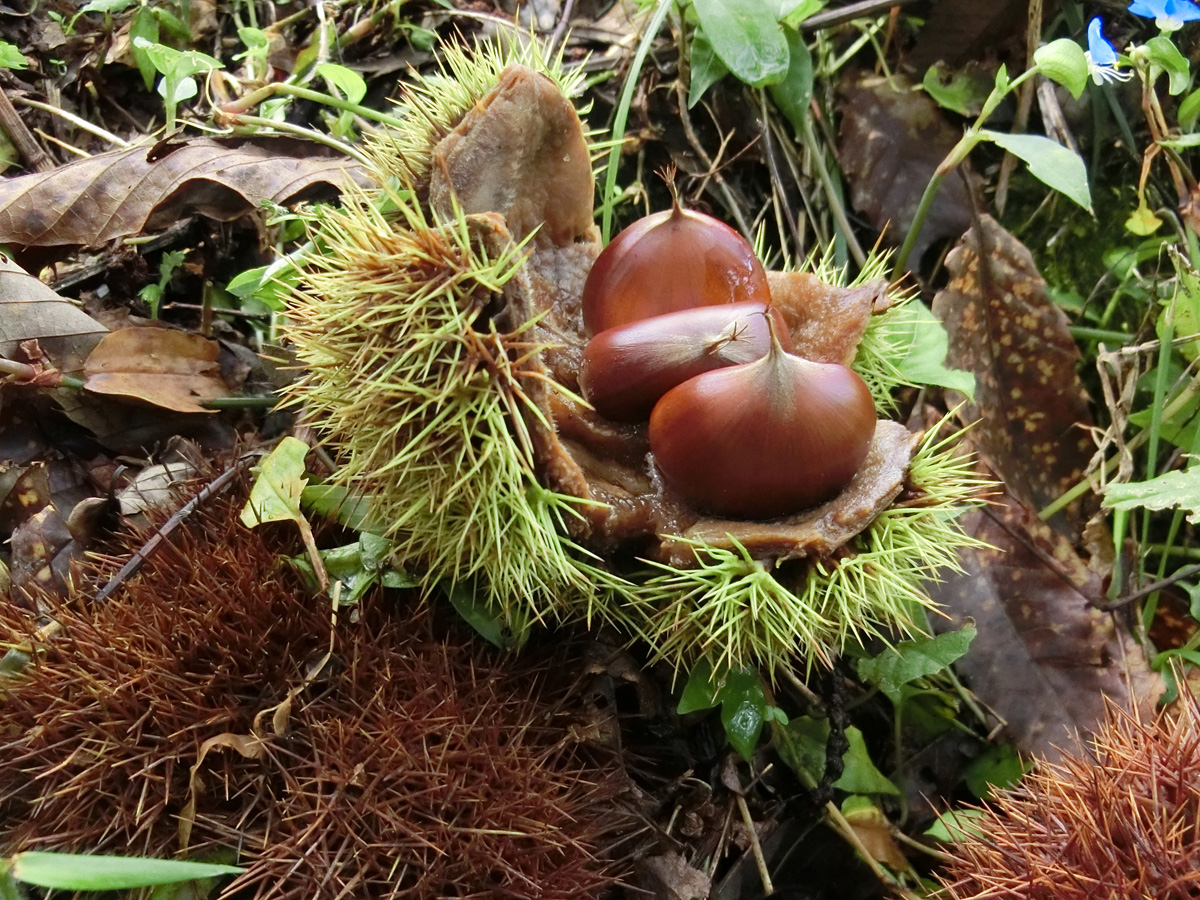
(892, 139)
(114, 195)
(31, 311)
(1004, 327)
(164, 367)
(1044, 658)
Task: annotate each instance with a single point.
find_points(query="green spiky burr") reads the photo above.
(437, 322)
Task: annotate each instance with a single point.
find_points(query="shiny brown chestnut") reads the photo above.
(671, 260)
(625, 370)
(764, 439)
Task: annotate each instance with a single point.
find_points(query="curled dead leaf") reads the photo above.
(114, 195)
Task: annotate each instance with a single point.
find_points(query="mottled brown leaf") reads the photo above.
(1004, 327)
(31, 311)
(42, 551)
(892, 138)
(24, 490)
(1044, 658)
(114, 195)
(168, 368)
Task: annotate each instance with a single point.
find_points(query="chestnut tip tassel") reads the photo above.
(764, 439)
(625, 370)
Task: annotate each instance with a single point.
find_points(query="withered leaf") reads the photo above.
(24, 491)
(42, 550)
(892, 139)
(29, 310)
(1003, 326)
(114, 195)
(161, 366)
(1044, 658)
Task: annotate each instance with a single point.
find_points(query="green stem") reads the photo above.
(251, 100)
(258, 122)
(621, 116)
(914, 229)
(1086, 333)
(241, 403)
(958, 154)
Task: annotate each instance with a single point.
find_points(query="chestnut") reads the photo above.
(668, 261)
(763, 439)
(626, 369)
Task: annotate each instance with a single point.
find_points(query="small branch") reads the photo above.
(18, 132)
(755, 846)
(81, 124)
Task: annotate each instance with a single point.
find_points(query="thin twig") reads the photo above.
(755, 846)
(81, 124)
(156, 540)
(1185, 572)
(560, 30)
(18, 132)
(864, 9)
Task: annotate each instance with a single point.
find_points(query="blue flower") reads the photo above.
(1102, 59)
(1168, 15)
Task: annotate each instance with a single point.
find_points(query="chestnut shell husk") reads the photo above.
(439, 323)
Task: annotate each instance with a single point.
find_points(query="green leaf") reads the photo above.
(105, 6)
(1171, 489)
(1164, 54)
(746, 35)
(144, 25)
(956, 825)
(483, 618)
(793, 12)
(275, 496)
(801, 745)
(926, 343)
(1189, 110)
(793, 93)
(707, 68)
(69, 872)
(1048, 161)
(335, 502)
(174, 25)
(345, 80)
(701, 689)
(1063, 62)
(1182, 431)
(178, 63)
(270, 285)
(999, 766)
(910, 660)
(743, 710)
(743, 702)
(954, 93)
(256, 41)
(859, 774)
(11, 57)
(1142, 221)
(1182, 314)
